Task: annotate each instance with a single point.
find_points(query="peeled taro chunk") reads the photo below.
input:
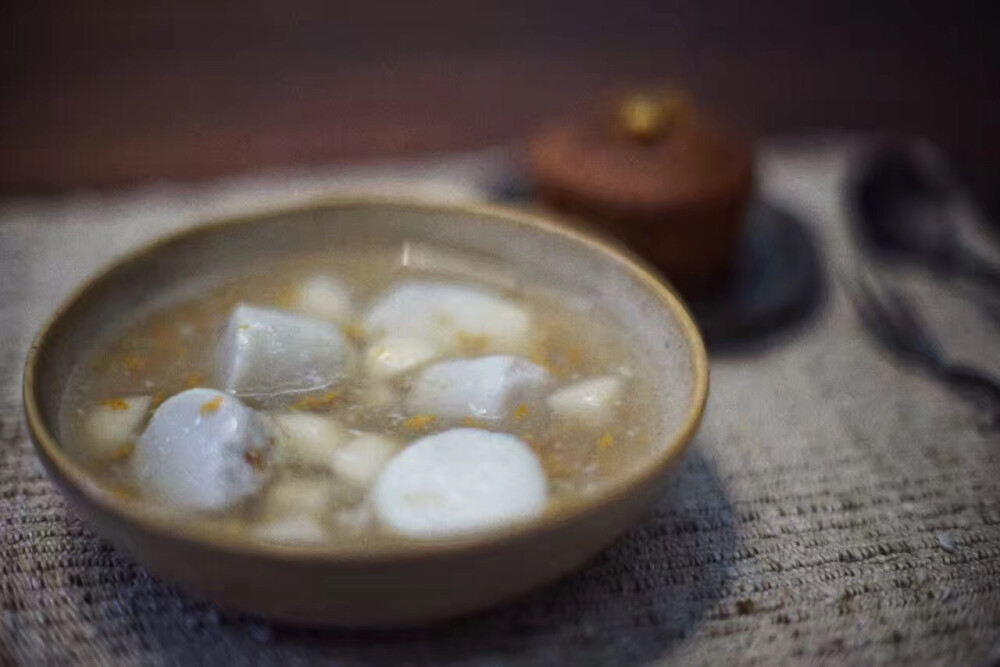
(265, 351)
(360, 461)
(459, 482)
(307, 440)
(203, 450)
(393, 356)
(488, 388)
(452, 317)
(590, 403)
(111, 425)
(325, 298)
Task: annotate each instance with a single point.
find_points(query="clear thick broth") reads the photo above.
(170, 346)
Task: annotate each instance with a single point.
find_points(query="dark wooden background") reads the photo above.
(109, 92)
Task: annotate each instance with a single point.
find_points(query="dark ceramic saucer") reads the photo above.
(776, 283)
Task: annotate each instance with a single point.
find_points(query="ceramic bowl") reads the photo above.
(401, 582)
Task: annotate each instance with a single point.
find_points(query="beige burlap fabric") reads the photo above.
(834, 509)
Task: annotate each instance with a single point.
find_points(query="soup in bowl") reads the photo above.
(367, 412)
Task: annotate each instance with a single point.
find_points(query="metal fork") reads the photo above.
(892, 320)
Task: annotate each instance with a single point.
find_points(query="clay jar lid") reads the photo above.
(654, 170)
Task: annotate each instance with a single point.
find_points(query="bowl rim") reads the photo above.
(70, 473)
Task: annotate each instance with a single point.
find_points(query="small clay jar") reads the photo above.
(656, 172)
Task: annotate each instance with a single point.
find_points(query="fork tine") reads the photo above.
(893, 321)
(873, 316)
(907, 319)
(894, 304)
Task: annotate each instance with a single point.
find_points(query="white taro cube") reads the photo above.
(591, 403)
(294, 494)
(393, 356)
(307, 440)
(325, 298)
(487, 388)
(450, 316)
(293, 529)
(459, 482)
(361, 460)
(265, 351)
(110, 426)
(203, 450)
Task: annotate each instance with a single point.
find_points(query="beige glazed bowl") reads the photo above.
(396, 582)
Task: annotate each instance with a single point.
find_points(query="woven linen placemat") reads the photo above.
(834, 509)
